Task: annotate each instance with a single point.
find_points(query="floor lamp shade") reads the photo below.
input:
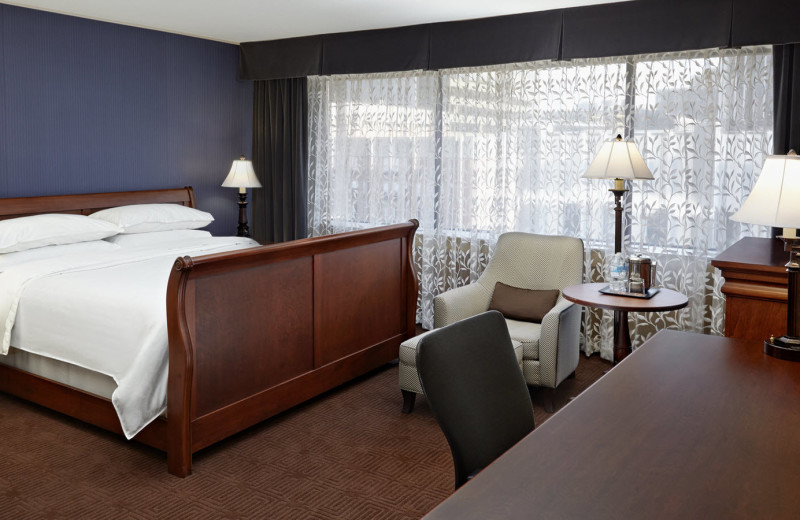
(618, 159)
(775, 201)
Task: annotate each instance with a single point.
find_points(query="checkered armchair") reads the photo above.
(550, 349)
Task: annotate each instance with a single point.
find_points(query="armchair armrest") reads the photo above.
(459, 303)
(559, 342)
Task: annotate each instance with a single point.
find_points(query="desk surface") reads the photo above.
(688, 426)
(589, 294)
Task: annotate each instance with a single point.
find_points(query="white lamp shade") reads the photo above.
(775, 199)
(618, 159)
(241, 175)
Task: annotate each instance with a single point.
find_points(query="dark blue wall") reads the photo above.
(88, 106)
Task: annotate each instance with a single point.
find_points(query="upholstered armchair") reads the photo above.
(550, 349)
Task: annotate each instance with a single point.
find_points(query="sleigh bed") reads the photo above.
(251, 332)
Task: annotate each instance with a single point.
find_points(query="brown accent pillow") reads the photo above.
(522, 304)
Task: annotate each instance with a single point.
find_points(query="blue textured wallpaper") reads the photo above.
(88, 106)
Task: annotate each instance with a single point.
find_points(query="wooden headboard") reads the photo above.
(86, 204)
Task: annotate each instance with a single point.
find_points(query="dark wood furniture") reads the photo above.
(755, 288)
(589, 294)
(690, 426)
(252, 332)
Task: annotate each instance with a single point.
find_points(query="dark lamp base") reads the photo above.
(785, 347)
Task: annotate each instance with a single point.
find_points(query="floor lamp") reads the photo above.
(242, 176)
(618, 160)
(775, 201)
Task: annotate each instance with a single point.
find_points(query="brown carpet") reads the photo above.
(348, 454)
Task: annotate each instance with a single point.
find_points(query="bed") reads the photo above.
(250, 332)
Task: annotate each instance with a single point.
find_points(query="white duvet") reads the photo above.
(104, 311)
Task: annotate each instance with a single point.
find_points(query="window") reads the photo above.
(472, 153)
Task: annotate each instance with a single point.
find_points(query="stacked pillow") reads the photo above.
(8, 260)
(146, 218)
(157, 238)
(38, 237)
(23, 233)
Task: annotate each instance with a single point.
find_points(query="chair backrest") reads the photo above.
(531, 261)
(473, 384)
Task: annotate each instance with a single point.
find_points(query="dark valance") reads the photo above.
(281, 59)
(490, 41)
(382, 50)
(643, 27)
(622, 28)
(764, 23)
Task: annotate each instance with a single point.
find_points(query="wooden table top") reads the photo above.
(589, 294)
(688, 426)
(767, 254)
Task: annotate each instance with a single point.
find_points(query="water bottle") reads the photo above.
(618, 273)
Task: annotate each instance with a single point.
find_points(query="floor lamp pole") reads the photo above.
(618, 193)
(622, 335)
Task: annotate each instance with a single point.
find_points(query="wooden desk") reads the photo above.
(688, 426)
(755, 288)
(589, 294)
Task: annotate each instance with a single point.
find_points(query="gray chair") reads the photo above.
(550, 349)
(474, 386)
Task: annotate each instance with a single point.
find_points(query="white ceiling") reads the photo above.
(237, 21)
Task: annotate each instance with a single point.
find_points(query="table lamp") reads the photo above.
(618, 160)
(242, 176)
(775, 201)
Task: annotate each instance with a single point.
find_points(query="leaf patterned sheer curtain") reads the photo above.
(473, 153)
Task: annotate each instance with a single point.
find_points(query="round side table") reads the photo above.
(589, 294)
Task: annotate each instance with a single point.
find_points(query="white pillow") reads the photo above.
(157, 237)
(145, 218)
(8, 260)
(20, 234)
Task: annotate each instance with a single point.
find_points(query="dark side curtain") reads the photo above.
(280, 137)
(786, 99)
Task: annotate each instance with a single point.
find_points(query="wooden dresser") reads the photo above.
(755, 288)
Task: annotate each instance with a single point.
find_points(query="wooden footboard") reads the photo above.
(255, 332)
(252, 332)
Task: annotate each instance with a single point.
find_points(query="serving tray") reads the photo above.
(643, 296)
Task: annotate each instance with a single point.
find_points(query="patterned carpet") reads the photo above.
(349, 454)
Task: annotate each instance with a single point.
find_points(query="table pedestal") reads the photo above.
(622, 336)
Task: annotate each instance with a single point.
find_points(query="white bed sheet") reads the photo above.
(106, 313)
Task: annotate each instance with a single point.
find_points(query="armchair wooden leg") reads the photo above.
(408, 401)
(549, 395)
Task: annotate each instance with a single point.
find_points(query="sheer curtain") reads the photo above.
(473, 153)
(372, 150)
(704, 123)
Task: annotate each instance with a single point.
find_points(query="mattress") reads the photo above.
(61, 372)
(99, 317)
